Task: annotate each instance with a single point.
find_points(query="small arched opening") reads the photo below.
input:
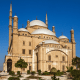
(9, 65)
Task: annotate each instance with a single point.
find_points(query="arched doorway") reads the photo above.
(9, 65)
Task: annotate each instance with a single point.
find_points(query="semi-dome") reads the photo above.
(43, 31)
(23, 29)
(37, 22)
(63, 37)
(49, 42)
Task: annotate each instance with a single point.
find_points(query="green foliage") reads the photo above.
(54, 77)
(11, 73)
(59, 73)
(58, 70)
(45, 73)
(76, 62)
(18, 72)
(21, 64)
(13, 78)
(75, 74)
(53, 70)
(28, 71)
(33, 72)
(39, 72)
(69, 69)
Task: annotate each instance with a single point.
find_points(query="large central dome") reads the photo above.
(43, 31)
(37, 22)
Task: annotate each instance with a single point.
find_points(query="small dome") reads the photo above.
(43, 31)
(63, 37)
(9, 55)
(15, 16)
(23, 29)
(49, 42)
(37, 22)
(72, 30)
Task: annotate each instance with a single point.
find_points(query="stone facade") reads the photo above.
(40, 49)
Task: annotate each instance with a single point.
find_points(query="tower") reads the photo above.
(15, 35)
(73, 44)
(15, 24)
(72, 36)
(46, 20)
(10, 23)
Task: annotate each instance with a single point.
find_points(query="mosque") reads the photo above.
(38, 46)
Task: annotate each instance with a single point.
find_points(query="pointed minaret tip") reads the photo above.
(46, 20)
(46, 15)
(11, 6)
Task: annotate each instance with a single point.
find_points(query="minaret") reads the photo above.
(46, 20)
(73, 44)
(10, 23)
(72, 36)
(15, 24)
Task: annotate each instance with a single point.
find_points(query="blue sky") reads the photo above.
(63, 14)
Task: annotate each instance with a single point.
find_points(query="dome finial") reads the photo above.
(62, 33)
(28, 19)
(71, 28)
(22, 25)
(36, 17)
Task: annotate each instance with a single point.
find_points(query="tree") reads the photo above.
(21, 64)
(53, 70)
(69, 69)
(76, 62)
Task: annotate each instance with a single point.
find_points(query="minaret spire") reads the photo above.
(11, 6)
(46, 20)
(10, 23)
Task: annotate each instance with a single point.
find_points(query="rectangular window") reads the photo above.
(29, 51)
(49, 67)
(29, 43)
(30, 68)
(23, 42)
(23, 51)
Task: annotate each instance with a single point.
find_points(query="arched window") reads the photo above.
(49, 57)
(63, 58)
(9, 65)
(63, 68)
